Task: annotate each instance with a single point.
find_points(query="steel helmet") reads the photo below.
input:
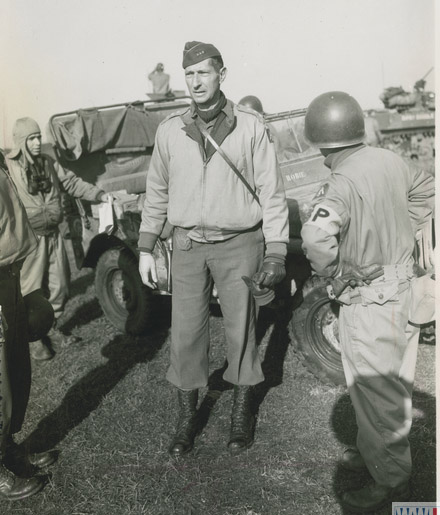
(334, 119)
(252, 102)
(40, 315)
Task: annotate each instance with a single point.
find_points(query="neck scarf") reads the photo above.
(212, 113)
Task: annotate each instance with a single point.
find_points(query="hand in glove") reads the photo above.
(272, 272)
(354, 276)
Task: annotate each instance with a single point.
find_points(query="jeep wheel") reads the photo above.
(316, 334)
(126, 302)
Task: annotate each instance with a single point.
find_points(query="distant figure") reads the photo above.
(252, 102)
(373, 136)
(160, 80)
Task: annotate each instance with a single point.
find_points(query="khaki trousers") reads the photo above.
(47, 268)
(379, 352)
(194, 268)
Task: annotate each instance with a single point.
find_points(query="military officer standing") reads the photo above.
(224, 229)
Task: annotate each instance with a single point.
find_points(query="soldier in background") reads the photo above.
(17, 241)
(367, 214)
(39, 182)
(160, 80)
(252, 102)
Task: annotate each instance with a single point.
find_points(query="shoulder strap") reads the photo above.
(230, 163)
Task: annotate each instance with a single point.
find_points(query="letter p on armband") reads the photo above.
(320, 213)
(325, 218)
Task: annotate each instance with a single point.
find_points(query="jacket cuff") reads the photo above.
(147, 241)
(276, 247)
(99, 195)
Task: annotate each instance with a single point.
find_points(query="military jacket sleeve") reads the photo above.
(75, 186)
(154, 212)
(322, 232)
(420, 196)
(270, 190)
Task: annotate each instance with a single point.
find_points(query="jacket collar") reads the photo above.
(336, 158)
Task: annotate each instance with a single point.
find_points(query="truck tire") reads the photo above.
(315, 334)
(125, 300)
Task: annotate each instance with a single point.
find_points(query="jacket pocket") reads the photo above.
(380, 293)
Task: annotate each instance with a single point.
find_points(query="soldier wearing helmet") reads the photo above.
(367, 214)
(253, 103)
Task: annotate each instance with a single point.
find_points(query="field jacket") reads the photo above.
(200, 192)
(17, 239)
(368, 212)
(44, 210)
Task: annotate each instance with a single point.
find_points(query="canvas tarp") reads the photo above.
(91, 130)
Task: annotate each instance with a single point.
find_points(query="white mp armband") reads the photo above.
(325, 218)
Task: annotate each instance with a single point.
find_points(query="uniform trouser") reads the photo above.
(193, 272)
(379, 352)
(15, 367)
(47, 268)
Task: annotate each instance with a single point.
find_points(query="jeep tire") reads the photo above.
(125, 300)
(315, 333)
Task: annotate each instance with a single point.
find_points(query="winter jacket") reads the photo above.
(44, 210)
(200, 192)
(368, 212)
(17, 239)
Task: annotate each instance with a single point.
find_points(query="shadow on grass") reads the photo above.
(85, 314)
(422, 439)
(276, 349)
(123, 353)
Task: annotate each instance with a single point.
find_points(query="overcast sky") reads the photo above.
(61, 55)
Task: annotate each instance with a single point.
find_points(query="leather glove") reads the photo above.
(272, 272)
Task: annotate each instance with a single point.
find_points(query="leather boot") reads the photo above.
(24, 463)
(14, 488)
(39, 351)
(374, 496)
(242, 420)
(183, 439)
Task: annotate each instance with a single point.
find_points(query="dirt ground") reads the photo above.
(104, 404)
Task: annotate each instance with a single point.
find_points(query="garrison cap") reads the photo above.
(196, 52)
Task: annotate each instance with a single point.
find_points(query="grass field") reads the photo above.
(105, 405)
